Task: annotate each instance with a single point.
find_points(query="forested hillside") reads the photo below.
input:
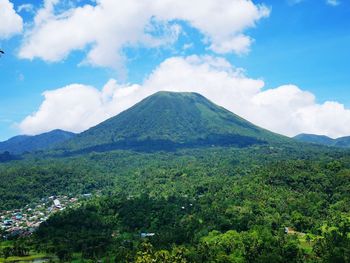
(25, 143)
(321, 139)
(169, 121)
(202, 205)
(177, 178)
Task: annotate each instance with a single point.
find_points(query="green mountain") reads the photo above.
(189, 205)
(324, 140)
(313, 138)
(25, 143)
(169, 120)
(342, 142)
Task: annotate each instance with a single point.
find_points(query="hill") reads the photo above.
(25, 143)
(203, 199)
(324, 140)
(169, 120)
(313, 138)
(343, 142)
(191, 204)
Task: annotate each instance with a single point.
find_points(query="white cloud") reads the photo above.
(10, 22)
(329, 2)
(286, 109)
(74, 107)
(333, 2)
(26, 8)
(187, 46)
(77, 107)
(104, 29)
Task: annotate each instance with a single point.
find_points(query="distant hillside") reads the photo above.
(6, 157)
(313, 138)
(26, 143)
(168, 120)
(342, 142)
(324, 140)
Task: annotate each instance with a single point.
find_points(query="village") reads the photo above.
(24, 221)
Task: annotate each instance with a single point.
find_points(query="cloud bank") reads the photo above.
(104, 29)
(10, 22)
(287, 109)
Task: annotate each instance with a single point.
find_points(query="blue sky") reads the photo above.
(300, 43)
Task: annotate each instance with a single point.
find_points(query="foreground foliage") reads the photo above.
(203, 205)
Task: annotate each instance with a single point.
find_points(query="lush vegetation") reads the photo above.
(203, 205)
(25, 143)
(180, 197)
(6, 157)
(321, 139)
(168, 121)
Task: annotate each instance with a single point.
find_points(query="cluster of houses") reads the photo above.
(22, 222)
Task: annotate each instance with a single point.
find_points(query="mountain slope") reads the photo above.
(169, 120)
(342, 142)
(324, 140)
(313, 138)
(25, 143)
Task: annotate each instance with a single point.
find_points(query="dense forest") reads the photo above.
(280, 203)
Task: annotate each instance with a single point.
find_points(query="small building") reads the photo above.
(8, 222)
(144, 235)
(19, 217)
(57, 203)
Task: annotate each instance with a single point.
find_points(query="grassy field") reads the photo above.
(32, 257)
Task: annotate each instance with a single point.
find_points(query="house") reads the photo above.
(143, 235)
(57, 203)
(8, 222)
